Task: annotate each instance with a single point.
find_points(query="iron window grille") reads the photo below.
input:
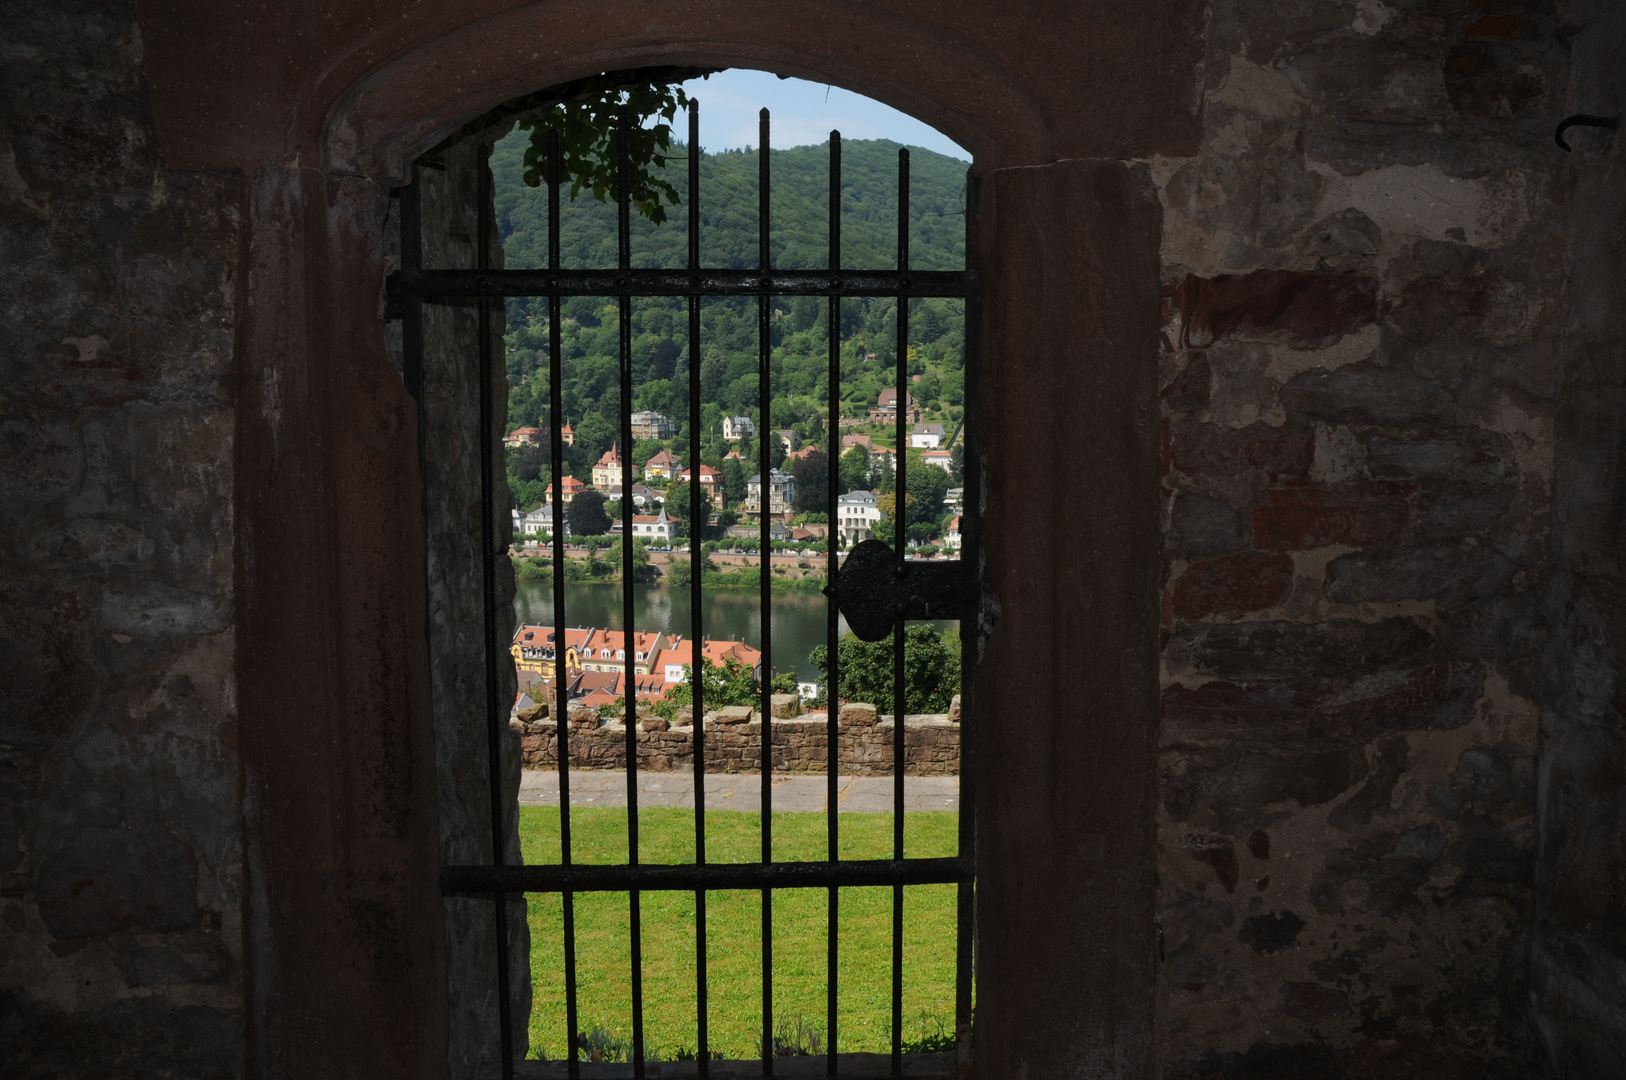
(877, 589)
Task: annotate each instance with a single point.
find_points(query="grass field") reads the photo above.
(734, 934)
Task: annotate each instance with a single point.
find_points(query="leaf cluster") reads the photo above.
(589, 128)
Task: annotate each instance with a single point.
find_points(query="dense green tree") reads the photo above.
(586, 514)
(733, 482)
(928, 486)
(931, 669)
(526, 461)
(855, 470)
(812, 475)
(677, 505)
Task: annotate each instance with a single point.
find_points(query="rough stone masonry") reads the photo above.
(1362, 375)
(1388, 806)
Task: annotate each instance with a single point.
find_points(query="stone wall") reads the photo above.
(451, 456)
(121, 858)
(1578, 970)
(931, 746)
(1362, 281)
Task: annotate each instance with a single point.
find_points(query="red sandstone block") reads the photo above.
(1196, 447)
(1250, 581)
(1224, 709)
(1495, 26)
(1312, 310)
(1292, 519)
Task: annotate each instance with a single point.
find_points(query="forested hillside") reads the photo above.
(729, 350)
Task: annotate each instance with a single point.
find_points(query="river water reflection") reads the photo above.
(730, 614)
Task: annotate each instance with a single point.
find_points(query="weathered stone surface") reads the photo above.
(800, 745)
(1233, 584)
(684, 716)
(121, 847)
(653, 723)
(1223, 451)
(1291, 519)
(1309, 310)
(857, 713)
(1202, 525)
(1451, 576)
(1366, 393)
(733, 714)
(785, 706)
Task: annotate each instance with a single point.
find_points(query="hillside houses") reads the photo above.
(926, 436)
(651, 425)
(607, 473)
(711, 483)
(595, 662)
(886, 407)
(570, 486)
(736, 428)
(780, 499)
(663, 466)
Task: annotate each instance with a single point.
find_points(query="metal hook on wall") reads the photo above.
(1582, 120)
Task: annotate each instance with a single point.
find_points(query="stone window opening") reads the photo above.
(437, 369)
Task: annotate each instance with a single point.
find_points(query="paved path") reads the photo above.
(738, 791)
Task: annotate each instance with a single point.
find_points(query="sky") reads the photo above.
(801, 114)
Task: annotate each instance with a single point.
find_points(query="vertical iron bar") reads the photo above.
(764, 505)
(496, 723)
(697, 565)
(629, 632)
(832, 706)
(561, 675)
(971, 553)
(900, 531)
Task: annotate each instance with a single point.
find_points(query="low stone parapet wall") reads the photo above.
(800, 745)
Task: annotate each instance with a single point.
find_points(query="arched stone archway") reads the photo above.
(317, 109)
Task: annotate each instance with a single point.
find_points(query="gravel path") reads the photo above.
(737, 791)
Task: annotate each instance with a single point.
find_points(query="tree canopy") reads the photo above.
(931, 669)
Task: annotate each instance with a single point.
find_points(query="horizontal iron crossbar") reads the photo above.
(446, 283)
(688, 877)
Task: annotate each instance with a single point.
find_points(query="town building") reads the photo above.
(850, 441)
(711, 483)
(651, 425)
(927, 435)
(571, 488)
(663, 466)
(856, 514)
(533, 649)
(736, 428)
(951, 538)
(781, 495)
(655, 529)
(680, 654)
(607, 473)
(943, 459)
(524, 436)
(567, 435)
(787, 438)
(886, 407)
(539, 522)
(807, 451)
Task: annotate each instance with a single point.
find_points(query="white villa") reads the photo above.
(856, 515)
(736, 428)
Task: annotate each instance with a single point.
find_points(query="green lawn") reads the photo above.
(734, 934)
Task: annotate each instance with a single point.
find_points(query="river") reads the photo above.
(730, 615)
